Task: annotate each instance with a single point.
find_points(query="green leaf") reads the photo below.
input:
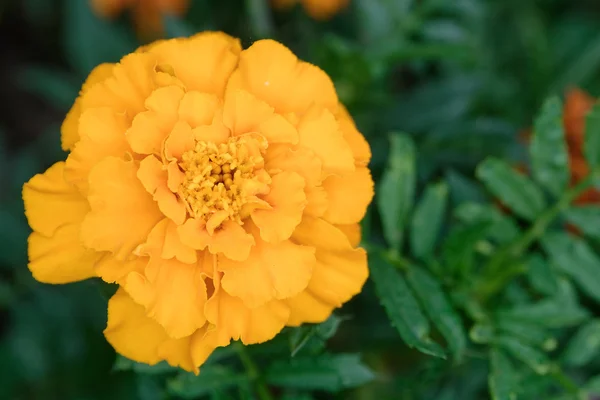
(548, 149)
(593, 385)
(540, 275)
(397, 189)
(515, 190)
(502, 381)
(535, 359)
(583, 346)
(529, 333)
(427, 220)
(125, 364)
(438, 307)
(327, 372)
(463, 189)
(460, 245)
(586, 218)
(213, 378)
(317, 334)
(502, 228)
(402, 308)
(591, 146)
(575, 258)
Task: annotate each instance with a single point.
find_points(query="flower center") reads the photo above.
(223, 180)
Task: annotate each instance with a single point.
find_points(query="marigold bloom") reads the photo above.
(317, 9)
(221, 188)
(147, 14)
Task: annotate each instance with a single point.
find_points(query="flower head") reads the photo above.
(221, 188)
(147, 14)
(317, 9)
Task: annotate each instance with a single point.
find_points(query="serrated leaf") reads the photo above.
(327, 372)
(535, 359)
(427, 220)
(402, 308)
(460, 245)
(439, 309)
(397, 189)
(502, 228)
(592, 138)
(502, 381)
(190, 386)
(586, 218)
(318, 333)
(583, 346)
(529, 333)
(548, 149)
(540, 275)
(575, 258)
(515, 190)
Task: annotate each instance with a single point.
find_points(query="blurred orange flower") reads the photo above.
(317, 9)
(147, 14)
(221, 188)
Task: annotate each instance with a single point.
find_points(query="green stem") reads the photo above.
(253, 373)
(566, 382)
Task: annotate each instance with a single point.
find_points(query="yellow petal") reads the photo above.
(102, 134)
(173, 293)
(352, 232)
(154, 178)
(359, 145)
(244, 113)
(287, 200)
(271, 271)
(319, 132)
(230, 239)
(204, 62)
(235, 320)
(164, 241)
(348, 196)
(271, 72)
(51, 202)
(112, 270)
(198, 109)
(179, 141)
(122, 212)
(301, 160)
(136, 336)
(150, 128)
(69, 130)
(204, 341)
(316, 198)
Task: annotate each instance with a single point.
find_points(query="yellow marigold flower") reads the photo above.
(221, 188)
(147, 14)
(317, 9)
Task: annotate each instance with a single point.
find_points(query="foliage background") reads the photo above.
(461, 78)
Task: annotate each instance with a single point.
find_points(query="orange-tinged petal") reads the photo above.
(271, 271)
(112, 270)
(302, 161)
(102, 133)
(178, 353)
(271, 72)
(175, 176)
(323, 10)
(164, 241)
(69, 131)
(154, 178)
(204, 341)
(320, 132)
(244, 113)
(316, 198)
(198, 109)
(150, 128)
(138, 337)
(179, 141)
(173, 293)
(60, 258)
(203, 62)
(287, 200)
(51, 202)
(122, 212)
(577, 105)
(352, 232)
(230, 239)
(235, 320)
(348, 196)
(358, 144)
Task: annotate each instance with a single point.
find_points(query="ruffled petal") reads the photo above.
(301, 161)
(359, 145)
(287, 200)
(352, 232)
(271, 72)
(154, 178)
(319, 132)
(102, 133)
(198, 109)
(348, 196)
(122, 212)
(112, 270)
(203, 62)
(204, 341)
(179, 141)
(136, 336)
(164, 241)
(271, 271)
(69, 131)
(173, 293)
(150, 128)
(230, 239)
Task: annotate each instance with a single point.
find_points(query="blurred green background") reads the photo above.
(463, 77)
